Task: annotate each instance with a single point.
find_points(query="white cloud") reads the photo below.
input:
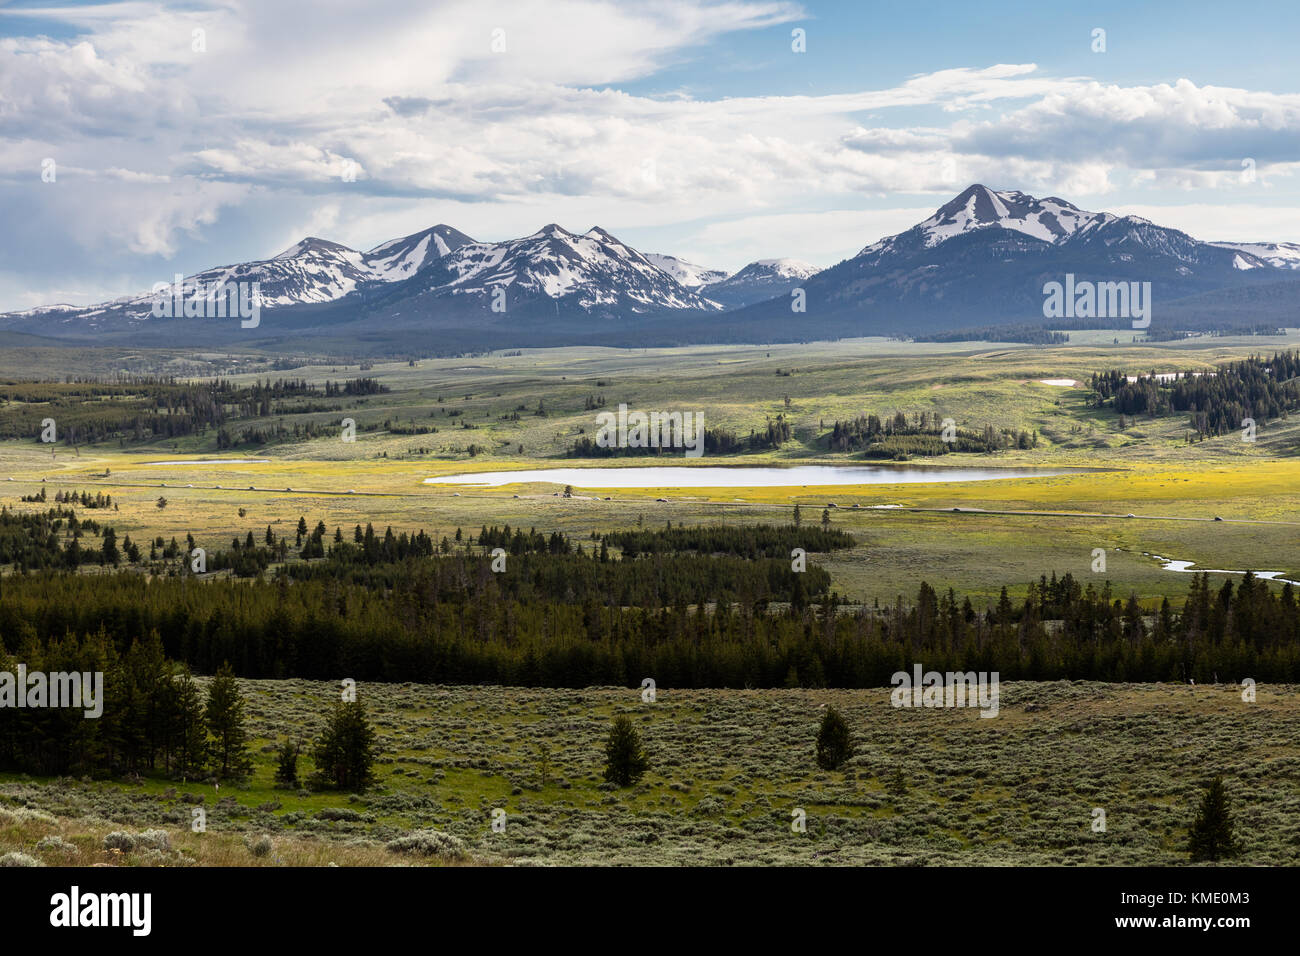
(259, 127)
(1224, 222)
(822, 238)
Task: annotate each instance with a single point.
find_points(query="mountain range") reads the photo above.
(981, 260)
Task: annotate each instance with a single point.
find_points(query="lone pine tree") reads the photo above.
(833, 744)
(286, 768)
(625, 761)
(1211, 835)
(345, 751)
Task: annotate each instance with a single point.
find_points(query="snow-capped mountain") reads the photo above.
(402, 258)
(1280, 255)
(317, 270)
(312, 271)
(686, 273)
(553, 268)
(984, 256)
(978, 207)
(758, 281)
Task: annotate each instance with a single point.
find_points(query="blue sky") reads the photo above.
(688, 127)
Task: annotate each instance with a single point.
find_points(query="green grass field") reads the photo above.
(1147, 470)
(727, 771)
(727, 767)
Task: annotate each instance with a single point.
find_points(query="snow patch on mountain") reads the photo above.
(1280, 255)
(758, 281)
(978, 207)
(593, 270)
(687, 274)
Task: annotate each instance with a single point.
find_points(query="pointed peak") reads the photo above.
(310, 245)
(452, 238)
(976, 202)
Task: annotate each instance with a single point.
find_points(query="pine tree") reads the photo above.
(109, 547)
(897, 784)
(191, 732)
(224, 715)
(1211, 836)
(345, 751)
(625, 760)
(798, 597)
(286, 770)
(833, 743)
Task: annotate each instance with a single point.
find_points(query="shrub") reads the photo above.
(430, 843)
(19, 859)
(55, 844)
(119, 840)
(158, 840)
(340, 813)
(261, 846)
(897, 784)
(24, 815)
(710, 807)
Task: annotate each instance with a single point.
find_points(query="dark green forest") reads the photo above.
(1215, 403)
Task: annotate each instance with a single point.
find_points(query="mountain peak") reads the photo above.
(313, 245)
(977, 206)
(404, 257)
(687, 274)
(452, 238)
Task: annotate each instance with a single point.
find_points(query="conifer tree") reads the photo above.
(224, 715)
(833, 743)
(345, 751)
(286, 770)
(625, 760)
(189, 725)
(1211, 836)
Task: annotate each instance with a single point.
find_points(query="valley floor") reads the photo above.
(728, 772)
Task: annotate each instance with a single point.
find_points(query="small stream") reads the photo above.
(1189, 567)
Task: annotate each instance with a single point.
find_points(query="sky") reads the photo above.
(140, 138)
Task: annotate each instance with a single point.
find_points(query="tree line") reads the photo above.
(564, 621)
(898, 438)
(717, 441)
(1216, 402)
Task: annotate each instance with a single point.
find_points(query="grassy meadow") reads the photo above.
(727, 771)
(727, 768)
(1173, 489)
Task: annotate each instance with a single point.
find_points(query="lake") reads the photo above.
(741, 476)
(214, 461)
